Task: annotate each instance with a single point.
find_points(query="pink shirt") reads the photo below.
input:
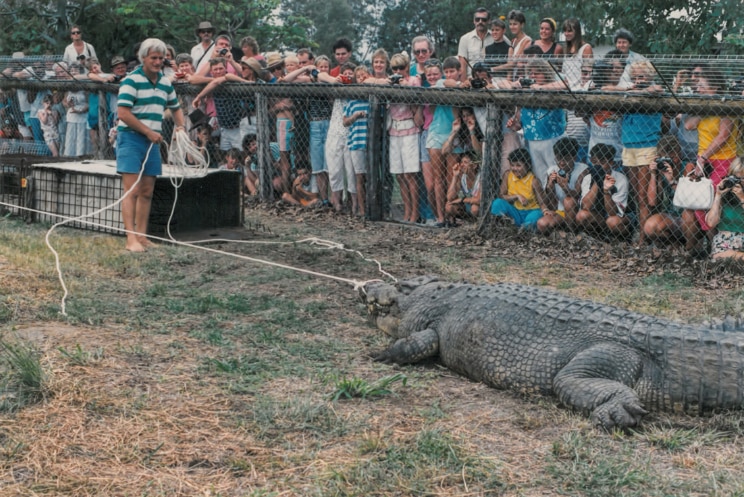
(402, 115)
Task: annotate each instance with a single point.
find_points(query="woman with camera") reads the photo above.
(666, 223)
(727, 214)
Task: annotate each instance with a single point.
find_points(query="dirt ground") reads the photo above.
(197, 403)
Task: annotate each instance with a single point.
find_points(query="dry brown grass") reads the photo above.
(146, 409)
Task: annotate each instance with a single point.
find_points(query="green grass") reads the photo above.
(349, 388)
(23, 380)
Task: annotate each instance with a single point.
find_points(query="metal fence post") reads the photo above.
(374, 161)
(265, 165)
(490, 170)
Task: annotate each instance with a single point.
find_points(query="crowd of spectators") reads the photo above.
(606, 172)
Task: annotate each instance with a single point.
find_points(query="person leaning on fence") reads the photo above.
(464, 192)
(640, 132)
(717, 135)
(667, 224)
(541, 127)
(403, 124)
(727, 214)
(623, 40)
(466, 135)
(49, 119)
(355, 118)
(337, 153)
(604, 196)
(422, 49)
(143, 97)
(521, 195)
(439, 130)
(563, 187)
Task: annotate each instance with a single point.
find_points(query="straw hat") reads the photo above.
(205, 26)
(253, 64)
(274, 59)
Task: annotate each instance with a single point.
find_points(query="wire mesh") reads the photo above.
(597, 144)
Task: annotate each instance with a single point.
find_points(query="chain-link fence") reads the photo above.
(626, 148)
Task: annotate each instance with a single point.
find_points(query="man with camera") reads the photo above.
(222, 48)
(78, 51)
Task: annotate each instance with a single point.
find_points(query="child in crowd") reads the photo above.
(439, 130)
(232, 160)
(49, 119)
(337, 153)
(521, 196)
(604, 196)
(727, 214)
(301, 194)
(355, 118)
(464, 193)
(563, 187)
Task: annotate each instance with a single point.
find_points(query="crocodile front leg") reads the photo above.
(413, 348)
(596, 381)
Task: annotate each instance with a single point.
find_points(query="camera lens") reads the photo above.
(562, 173)
(223, 52)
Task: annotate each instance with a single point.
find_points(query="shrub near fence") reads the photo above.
(634, 121)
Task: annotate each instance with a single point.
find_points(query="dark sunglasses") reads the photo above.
(421, 51)
(75, 32)
(398, 68)
(481, 19)
(431, 62)
(205, 31)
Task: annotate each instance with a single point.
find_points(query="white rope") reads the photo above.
(90, 214)
(357, 284)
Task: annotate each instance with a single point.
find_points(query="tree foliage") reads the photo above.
(114, 26)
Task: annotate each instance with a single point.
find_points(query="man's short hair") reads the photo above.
(151, 45)
(249, 41)
(223, 37)
(218, 60)
(451, 63)
(306, 51)
(342, 43)
(624, 34)
(483, 10)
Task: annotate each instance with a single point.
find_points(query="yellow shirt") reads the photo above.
(708, 130)
(523, 187)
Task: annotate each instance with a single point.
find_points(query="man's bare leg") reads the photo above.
(135, 210)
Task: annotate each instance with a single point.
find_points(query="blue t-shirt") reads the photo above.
(641, 130)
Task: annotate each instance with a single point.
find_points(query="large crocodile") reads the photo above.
(607, 362)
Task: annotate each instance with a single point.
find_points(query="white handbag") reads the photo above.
(694, 193)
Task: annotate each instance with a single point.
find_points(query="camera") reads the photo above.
(562, 173)
(345, 79)
(663, 163)
(81, 57)
(612, 190)
(223, 52)
(478, 84)
(167, 62)
(118, 78)
(730, 182)
(395, 79)
(314, 73)
(641, 86)
(526, 82)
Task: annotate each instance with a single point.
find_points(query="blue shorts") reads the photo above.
(435, 141)
(131, 149)
(318, 135)
(423, 151)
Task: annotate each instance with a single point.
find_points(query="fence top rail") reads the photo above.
(724, 105)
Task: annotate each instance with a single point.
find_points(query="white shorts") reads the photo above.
(338, 163)
(231, 138)
(404, 154)
(359, 161)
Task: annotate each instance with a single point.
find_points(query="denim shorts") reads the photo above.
(131, 149)
(318, 135)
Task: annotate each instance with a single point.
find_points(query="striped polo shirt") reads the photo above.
(357, 138)
(146, 100)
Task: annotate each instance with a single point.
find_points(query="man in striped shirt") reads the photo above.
(143, 97)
